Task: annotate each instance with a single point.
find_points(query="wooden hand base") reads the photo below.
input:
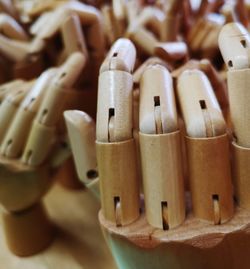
(195, 244)
(28, 232)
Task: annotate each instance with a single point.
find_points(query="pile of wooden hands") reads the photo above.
(171, 159)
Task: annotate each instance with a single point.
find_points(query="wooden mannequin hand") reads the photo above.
(29, 145)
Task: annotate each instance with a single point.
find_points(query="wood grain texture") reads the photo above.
(79, 243)
(195, 244)
(240, 169)
(163, 179)
(118, 180)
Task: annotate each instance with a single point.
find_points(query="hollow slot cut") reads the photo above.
(203, 104)
(216, 205)
(117, 208)
(157, 113)
(92, 174)
(164, 211)
(207, 119)
(111, 124)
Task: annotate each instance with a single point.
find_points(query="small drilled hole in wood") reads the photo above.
(243, 43)
(115, 54)
(215, 197)
(111, 112)
(157, 100)
(230, 63)
(164, 208)
(9, 142)
(63, 75)
(92, 174)
(203, 104)
(45, 111)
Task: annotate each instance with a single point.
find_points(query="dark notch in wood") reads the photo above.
(243, 43)
(117, 205)
(217, 213)
(164, 210)
(111, 114)
(203, 104)
(157, 101)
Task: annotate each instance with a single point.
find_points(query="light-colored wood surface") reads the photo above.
(163, 179)
(79, 243)
(119, 184)
(210, 178)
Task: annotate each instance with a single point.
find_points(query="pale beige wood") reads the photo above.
(110, 26)
(89, 16)
(150, 61)
(157, 101)
(19, 128)
(7, 87)
(11, 28)
(236, 56)
(239, 107)
(119, 11)
(207, 148)
(190, 65)
(203, 37)
(40, 134)
(115, 96)
(64, 80)
(152, 18)
(118, 181)
(133, 8)
(237, 61)
(241, 158)
(121, 56)
(143, 38)
(163, 179)
(171, 51)
(217, 81)
(197, 100)
(73, 37)
(218, 84)
(81, 131)
(210, 177)
(8, 6)
(78, 242)
(115, 92)
(160, 150)
(37, 26)
(9, 106)
(50, 110)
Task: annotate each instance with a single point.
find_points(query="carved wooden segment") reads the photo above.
(118, 180)
(163, 178)
(29, 231)
(210, 177)
(241, 172)
(239, 98)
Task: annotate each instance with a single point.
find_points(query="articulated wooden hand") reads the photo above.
(31, 148)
